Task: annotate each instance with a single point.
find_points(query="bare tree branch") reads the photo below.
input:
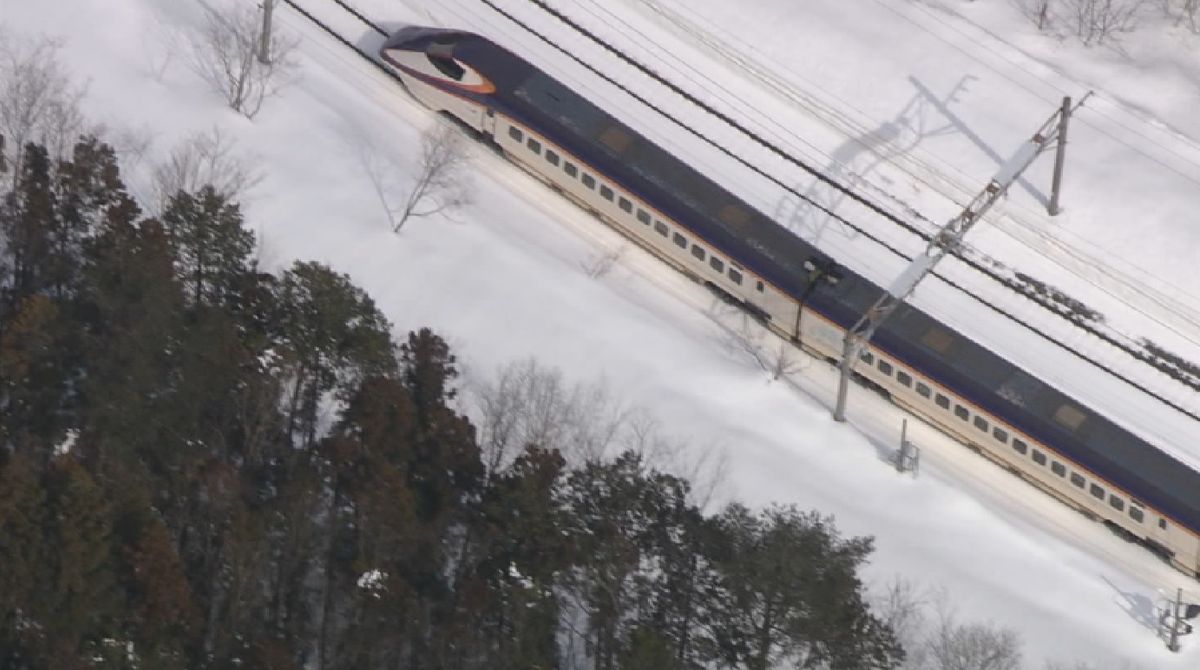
(1097, 21)
(225, 52)
(439, 185)
(38, 101)
(205, 159)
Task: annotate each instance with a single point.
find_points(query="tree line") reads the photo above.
(203, 464)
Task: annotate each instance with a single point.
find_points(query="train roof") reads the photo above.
(770, 250)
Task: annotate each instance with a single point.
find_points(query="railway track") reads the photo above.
(981, 266)
(974, 264)
(950, 455)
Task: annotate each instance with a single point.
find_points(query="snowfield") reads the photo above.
(916, 102)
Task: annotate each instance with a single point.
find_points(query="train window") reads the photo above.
(1038, 457)
(1058, 468)
(981, 423)
(679, 240)
(885, 367)
(625, 205)
(904, 378)
(698, 251)
(759, 287)
(643, 216)
(942, 401)
(441, 54)
(606, 192)
(937, 339)
(570, 168)
(1162, 523)
(735, 276)
(588, 180)
(1077, 479)
(716, 263)
(923, 390)
(534, 145)
(961, 412)
(1069, 416)
(660, 228)
(515, 133)
(1136, 514)
(868, 357)
(1097, 491)
(1116, 503)
(999, 433)
(551, 157)
(1019, 446)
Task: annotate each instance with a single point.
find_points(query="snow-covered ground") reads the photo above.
(850, 87)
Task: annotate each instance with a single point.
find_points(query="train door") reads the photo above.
(489, 123)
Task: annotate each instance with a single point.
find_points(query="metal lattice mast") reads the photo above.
(945, 241)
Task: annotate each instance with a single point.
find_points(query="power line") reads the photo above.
(821, 176)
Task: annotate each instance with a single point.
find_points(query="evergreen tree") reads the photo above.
(36, 363)
(77, 600)
(132, 316)
(23, 557)
(212, 248)
(332, 337)
(27, 219)
(621, 515)
(160, 611)
(793, 595)
(520, 555)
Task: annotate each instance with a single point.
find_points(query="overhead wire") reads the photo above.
(657, 109)
(1093, 262)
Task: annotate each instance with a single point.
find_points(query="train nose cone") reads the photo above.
(402, 37)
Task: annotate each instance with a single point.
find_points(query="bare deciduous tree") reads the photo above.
(901, 605)
(972, 646)
(205, 159)
(225, 52)
(1037, 11)
(530, 405)
(1097, 21)
(1183, 11)
(440, 184)
(526, 404)
(38, 101)
(774, 355)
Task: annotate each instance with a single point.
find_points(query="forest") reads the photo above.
(204, 464)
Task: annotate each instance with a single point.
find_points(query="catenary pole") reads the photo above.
(264, 41)
(1060, 156)
(945, 241)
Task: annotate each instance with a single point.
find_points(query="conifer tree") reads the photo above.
(23, 555)
(27, 218)
(332, 337)
(793, 595)
(212, 248)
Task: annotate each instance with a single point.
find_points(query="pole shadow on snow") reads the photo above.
(1137, 606)
(925, 115)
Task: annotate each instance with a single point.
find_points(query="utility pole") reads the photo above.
(820, 270)
(1060, 154)
(264, 42)
(1173, 642)
(945, 241)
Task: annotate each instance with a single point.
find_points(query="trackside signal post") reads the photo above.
(1175, 619)
(948, 240)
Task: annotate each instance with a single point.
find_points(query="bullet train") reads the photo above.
(684, 218)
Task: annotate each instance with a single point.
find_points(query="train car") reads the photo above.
(704, 231)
